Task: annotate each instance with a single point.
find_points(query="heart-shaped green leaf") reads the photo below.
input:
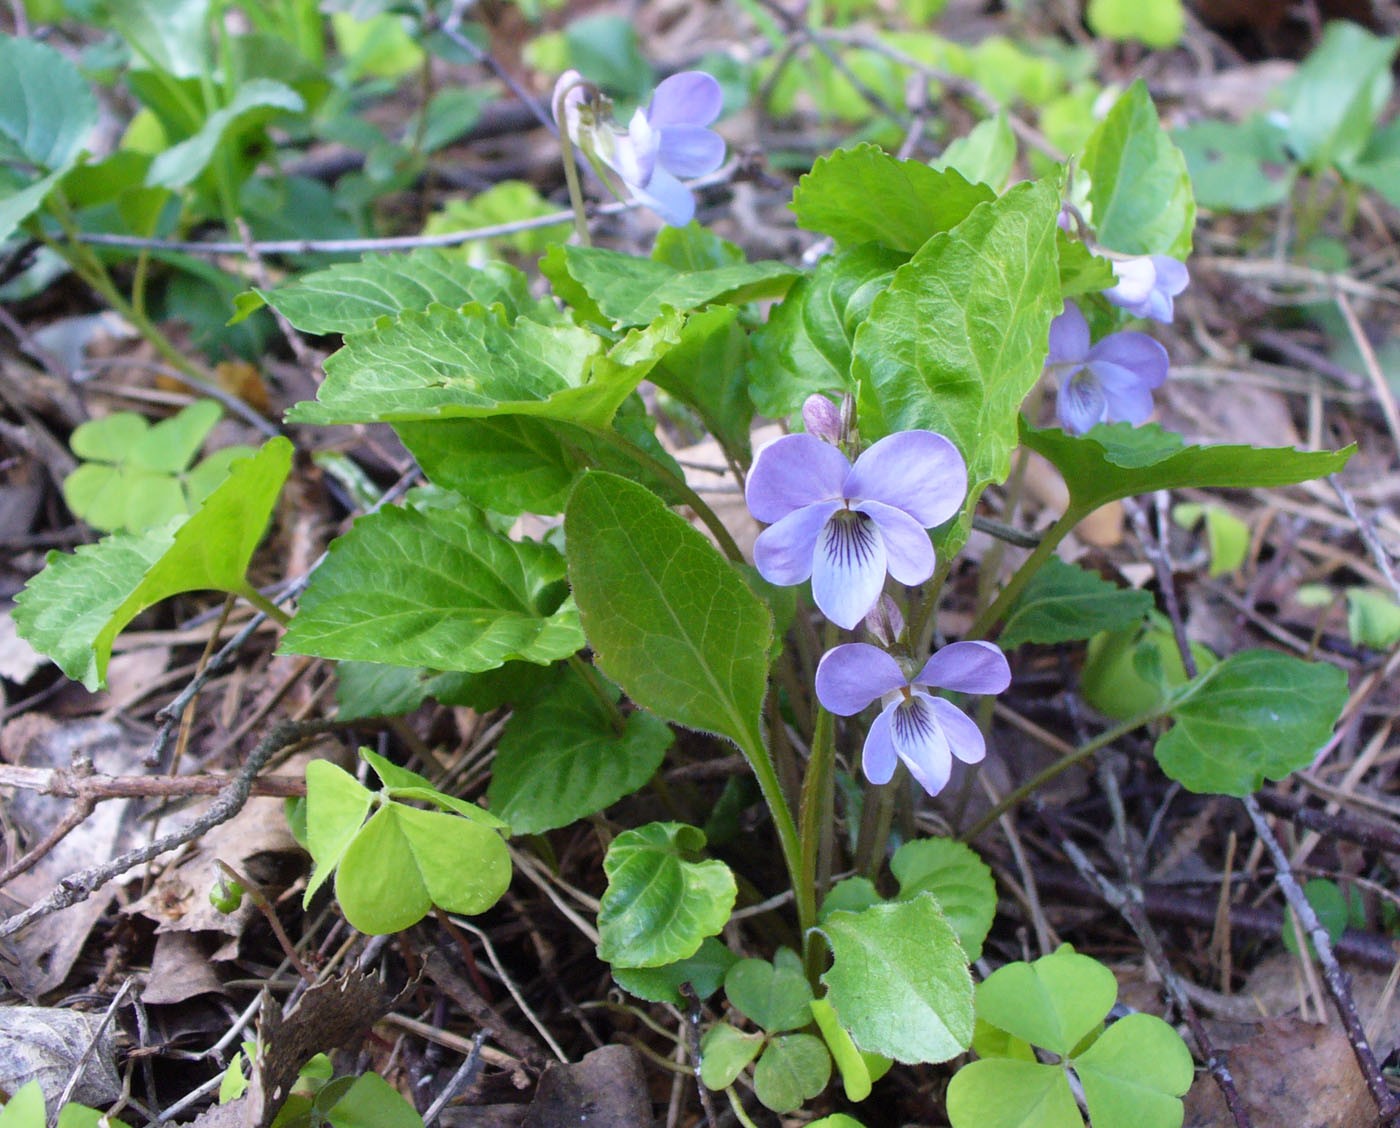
(1064, 602)
(794, 1068)
(1135, 1074)
(704, 971)
(1052, 1003)
(961, 881)
(1002, 1093)
(774, 996)
(724, 1052)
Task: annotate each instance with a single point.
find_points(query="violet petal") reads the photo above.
(667, 197)
(1127, 395)
(1137, 352)
(1080, 403)
(791, 472)
(919, 741)
(848, 573)
(686, 98)
(965, 739)
(919, 472)
(690, 150)
(967, 667)
(909, 553)
(1069, 336)
(878, 758)
(852, 675)
(783, 552)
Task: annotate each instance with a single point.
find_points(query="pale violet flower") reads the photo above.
(1110, 382)
(847, 526)
(924, 731)
(1147, 284)
(663, 142)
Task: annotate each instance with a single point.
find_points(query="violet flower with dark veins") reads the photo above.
(1147, 285)
(1109, 382)
(847, 526)
(924, 731)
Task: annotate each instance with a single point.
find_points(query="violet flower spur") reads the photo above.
(1147, 284)
(924, 731)
(847, 526)
(1109, 382)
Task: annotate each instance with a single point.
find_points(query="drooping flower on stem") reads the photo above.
(924, 731)
(1147, 284)
(1109, 382)
(846, 526)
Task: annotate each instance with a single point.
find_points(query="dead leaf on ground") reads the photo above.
(45, 1044)
(180, 969)
(39, 957)
(607, 1089)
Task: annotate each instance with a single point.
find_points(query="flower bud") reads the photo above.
(822, 419)
(885, 623)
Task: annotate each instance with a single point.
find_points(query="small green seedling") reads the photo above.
(393, 868)
(1132, 1073)
(26, 1110)
(135, 476)
(1227, 536)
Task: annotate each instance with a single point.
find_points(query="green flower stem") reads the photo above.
(263, 604)
(875, 822)
(1064, 763)
(757, 755)
(566, 148)
(816, 818)
(920, 618)
(692, 499)
(996, 611)
(738, 1107)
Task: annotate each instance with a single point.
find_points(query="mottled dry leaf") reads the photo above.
(45, 1044)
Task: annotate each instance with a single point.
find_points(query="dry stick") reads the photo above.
(77, 1073)
(306, 357)
(72, 819)
(78, 887)
(1373, 367)
(1379, 553)
(437, 968)
(459, 1081)
(1338, 985)
(1130, 906)
(692, 1043)
(391, 243)
(450, 28)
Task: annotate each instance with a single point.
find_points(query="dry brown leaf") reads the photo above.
(46, 1044)
(180, 969)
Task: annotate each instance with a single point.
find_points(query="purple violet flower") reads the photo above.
(846, 526)
(1109, 382)
(1147, 284)
(924, 731)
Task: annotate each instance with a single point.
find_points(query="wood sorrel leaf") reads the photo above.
(336, 806)
(1120, 460)
(961, 881)
(704, 971)
(794, 1068)
(435, 587)
(1139, 188)
(863, 195)
(668, 618)
(562, 759)
(899, 981)
(959, 337)
(1052, 1003)
(350, 296)
(472, 362)
(74, 609)
(1257, 714)
(1001, 1093)
(622, 290)
(805, 346)
(724, 1052)
(1064, 602)
(659, 906)
(1135, 1074)
(775, 996)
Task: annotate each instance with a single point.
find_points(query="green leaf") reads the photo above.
(704, 971)
(255, 101)
(1139, 188)
(1082, 271)
(1135, 1074)
(724, 1052)
(858, 1071)
(794, 1068)
(1257, 714)
(959, 338)
(1064, 602)
(775, 996)
(849, 895)
(46, 116)
(1120, 460)
(694, 247)
(1226, 535)
(350, 296)
(469, 363)
(707, 371)
(985, 155)
(167, 35)
(1012, 1094)
(371, 1102)
(368, 689)
(400, 783)
(25, 1108)
(629, 291)
(562, 759)
(1237, 167)
(336, 806)
(435, 587)
(695, 652)
(805, 346)
(1373, 618)
(405, 860)
(1338, 94)
(863, 195)
(961, 881)
(1329, 903)
(658, 906)
(1157, 23)
(836, 1120)
(899, 981)
(1053, 1003)
(74, 609)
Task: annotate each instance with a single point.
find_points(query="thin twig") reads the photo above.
(1372, 366)
(691, 1022)
(459, 1081)
(76, 1075)
(1379, 553)
(451, 27)
(78, 887)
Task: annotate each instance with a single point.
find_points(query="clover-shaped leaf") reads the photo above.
(1053, 1003)
(794, 1068)
(658, 905)
(724, 1052)
(1135, 1074)
(774, 996)
(1004, 1093)
(961, 881)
